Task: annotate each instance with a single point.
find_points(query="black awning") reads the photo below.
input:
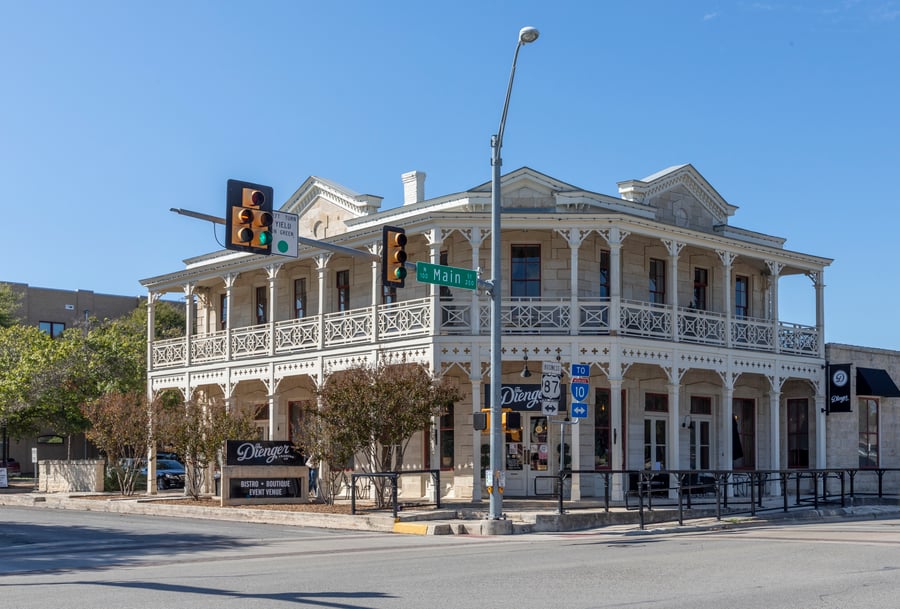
(875, 381)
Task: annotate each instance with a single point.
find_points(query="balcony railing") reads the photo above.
(413, 318)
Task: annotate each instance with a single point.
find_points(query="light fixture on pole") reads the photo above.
(495, 510)
(525, 371)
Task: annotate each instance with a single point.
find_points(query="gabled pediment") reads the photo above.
(324, 207)
(681, 196)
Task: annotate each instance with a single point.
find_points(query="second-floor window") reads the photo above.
(262, 305)
(657, 281)
(223, 311)
(525, 264)
(299, 298)
(53, 328)
(701, 281)
(343, 290)
(604, 274)
(741, 296)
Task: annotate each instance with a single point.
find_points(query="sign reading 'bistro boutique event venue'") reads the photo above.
(258, 471)
(264, 488)
(259, 452)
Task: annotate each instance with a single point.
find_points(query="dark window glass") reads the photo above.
(798, 433)
(701, 278)
(743, 453)
(604, 274)
(299, 298)
(53, 328)
(525, 264)
(343, 290)
(657, 281)
(262, 305)
(868, 432)
(602, 430)
(656, 402)
(741, 296)
(223, 311)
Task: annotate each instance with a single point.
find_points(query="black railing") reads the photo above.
(392, 478)
(730, 492)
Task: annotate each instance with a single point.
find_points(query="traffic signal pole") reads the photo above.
(338, 249)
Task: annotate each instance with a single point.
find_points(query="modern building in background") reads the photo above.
(53, 311)
(670, 310)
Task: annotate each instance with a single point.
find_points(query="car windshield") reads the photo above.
(167, 464)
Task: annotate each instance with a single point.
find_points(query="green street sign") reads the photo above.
(449, 276)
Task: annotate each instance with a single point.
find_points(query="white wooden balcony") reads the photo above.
(413, 318)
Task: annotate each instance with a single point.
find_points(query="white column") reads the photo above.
(476, 438)
(615, 237)
(618, 459)
(188, 321)
(476, 238)
(321, 268)
(377, 289)
(726, 461)
(271, 273)
(727, 259)
(821, 447)
(774, 432)
(674, 248)
(574, 237)
(230, 280)
(819, 280)
(435, 241)
(673, 459)
(152, 297)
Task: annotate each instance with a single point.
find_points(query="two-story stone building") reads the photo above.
(673, 309)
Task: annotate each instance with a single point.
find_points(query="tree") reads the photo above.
(197, 431)
(26, 354)
(9, 304)
(120, 428)
(373, 412)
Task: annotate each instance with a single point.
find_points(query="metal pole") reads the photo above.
(495, 510)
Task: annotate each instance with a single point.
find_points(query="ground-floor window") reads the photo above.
(743, 447)
(654, 443)
(798, 433)
(602, 429)
(868, 432)
(699, 426)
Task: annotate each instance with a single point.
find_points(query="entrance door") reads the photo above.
(538, 455)
(527, 456)
(700, 444)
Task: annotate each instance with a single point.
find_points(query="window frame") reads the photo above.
(300, 296)
(53, 328)
(869, 413)
(656, 281)
(742, 296)
(798, 433)
(744, 410)
(342, 303)
(701, 284)
(524, 261)
(261, 305)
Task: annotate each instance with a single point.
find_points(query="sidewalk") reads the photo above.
(521, 516)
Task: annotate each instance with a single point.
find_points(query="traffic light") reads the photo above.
(248, 218)
(393, 257)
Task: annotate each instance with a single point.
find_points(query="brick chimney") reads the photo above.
(413, 187)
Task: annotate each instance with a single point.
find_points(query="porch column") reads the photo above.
(377, 288)
(615, 237)
(574, 237)
(476, 438)
(618, 459)
(271, 273)
(230, 280)
(674, 248)
(774, 432)
(727, 259)
(321, 268)
(435, 241)
(774, 269)
(673, 458)
(476, 238)
(819, 282)
(726, 447)
(188, 321)
(152, 297)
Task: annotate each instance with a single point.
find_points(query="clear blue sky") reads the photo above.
(113, 112)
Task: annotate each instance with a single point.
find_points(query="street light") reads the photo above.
(495, 512)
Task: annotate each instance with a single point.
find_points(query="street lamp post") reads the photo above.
(526, 35)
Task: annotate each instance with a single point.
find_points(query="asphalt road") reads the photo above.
(77, 560)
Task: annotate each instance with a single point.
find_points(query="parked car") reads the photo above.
(12, 467)
(169, 474)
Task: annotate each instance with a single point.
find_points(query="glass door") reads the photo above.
(538, 455)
